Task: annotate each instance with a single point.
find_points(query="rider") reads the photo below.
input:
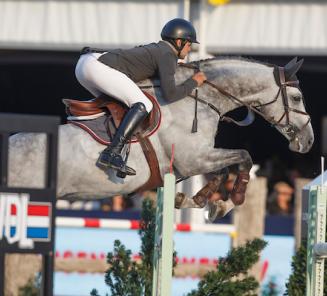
(115, 73)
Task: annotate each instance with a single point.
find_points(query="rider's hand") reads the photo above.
(199, 77)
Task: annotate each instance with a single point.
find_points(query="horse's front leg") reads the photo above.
(199, 200)
(234, 157)
(217, 160)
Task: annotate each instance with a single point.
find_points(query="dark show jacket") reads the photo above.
(147, 61)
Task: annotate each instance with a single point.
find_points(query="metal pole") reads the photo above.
(2, 274)
(4, 159)
(3, 182)
(47, 274)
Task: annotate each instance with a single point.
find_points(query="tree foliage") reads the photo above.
(33, 286)
(125, 276)
(231, 276)
(129, 278)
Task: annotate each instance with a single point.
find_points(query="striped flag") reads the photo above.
(24, 221)
(38, 221)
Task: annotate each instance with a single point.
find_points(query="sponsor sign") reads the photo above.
(23, 221)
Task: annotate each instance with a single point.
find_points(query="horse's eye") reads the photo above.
(297, 98)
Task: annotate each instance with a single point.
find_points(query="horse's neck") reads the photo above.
(246, 80)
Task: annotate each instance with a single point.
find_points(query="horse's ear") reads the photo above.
(291, 69)
(291, 63)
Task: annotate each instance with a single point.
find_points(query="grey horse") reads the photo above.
(240, 82)
(232, 82)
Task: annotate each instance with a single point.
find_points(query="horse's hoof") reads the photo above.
(179, 199)
(183, 202)
(219, 209)
(216, 210)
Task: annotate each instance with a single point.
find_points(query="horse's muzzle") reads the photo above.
(301, 144)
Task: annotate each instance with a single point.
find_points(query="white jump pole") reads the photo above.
(163, 246)
(316, 245)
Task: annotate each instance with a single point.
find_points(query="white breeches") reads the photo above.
(99, 78)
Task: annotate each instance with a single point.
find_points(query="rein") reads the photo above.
(290, 130)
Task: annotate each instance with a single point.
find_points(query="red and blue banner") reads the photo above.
(38, 221)
(24, 221)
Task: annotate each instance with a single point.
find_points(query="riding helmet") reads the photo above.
(179, 28)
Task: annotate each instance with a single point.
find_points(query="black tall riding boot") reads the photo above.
(111, 156)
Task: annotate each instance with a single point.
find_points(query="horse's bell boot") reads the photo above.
(239, 188)
(111, 156)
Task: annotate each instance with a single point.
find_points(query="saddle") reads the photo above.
(79, 111)
(117, 110)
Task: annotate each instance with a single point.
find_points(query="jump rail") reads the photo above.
(135, 224)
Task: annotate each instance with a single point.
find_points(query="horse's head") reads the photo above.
(286, 111)
(272, 92)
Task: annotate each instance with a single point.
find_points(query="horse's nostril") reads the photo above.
(309, 142)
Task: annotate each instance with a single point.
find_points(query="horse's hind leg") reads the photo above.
(199, 200)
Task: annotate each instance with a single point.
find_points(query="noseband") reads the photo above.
(288, 128)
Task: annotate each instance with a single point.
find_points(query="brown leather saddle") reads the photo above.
(117, 110)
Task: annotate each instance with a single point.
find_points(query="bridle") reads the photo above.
(288, 128)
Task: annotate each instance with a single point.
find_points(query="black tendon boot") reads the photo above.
(111, 156)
